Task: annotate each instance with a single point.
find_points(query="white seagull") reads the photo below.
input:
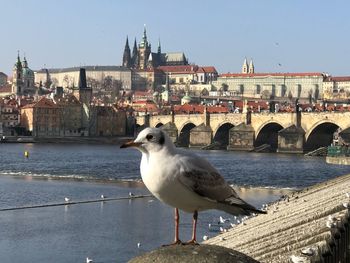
(184, 180)
(66, 199)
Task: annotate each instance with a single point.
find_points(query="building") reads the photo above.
(108, 121)
(3, 79)
(71, 115)
(96, 77)
(249, 84)
(42, 118)
(142, 56)
(9, 116)
(23, 78)
(336, 88)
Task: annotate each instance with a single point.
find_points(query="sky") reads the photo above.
(279, 35)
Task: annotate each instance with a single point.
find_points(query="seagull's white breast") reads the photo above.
(160, 175)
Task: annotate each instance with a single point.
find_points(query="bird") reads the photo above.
(184, 180)
(297, 259)
(131, 195)
(223, 220)
(138, 245)
(103, 196)
(66, 199)
(205, 238)
(89, 260)
(308, 251)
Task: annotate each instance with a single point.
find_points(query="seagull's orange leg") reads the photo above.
(177, 241)
(193, 241)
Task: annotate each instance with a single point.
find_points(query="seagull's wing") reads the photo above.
(201, 177)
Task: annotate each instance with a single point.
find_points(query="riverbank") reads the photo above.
(65, 140)
(315, 218)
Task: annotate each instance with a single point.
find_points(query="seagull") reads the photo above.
(184, 180)
(103, 196)
(139, 245)
(131, 194)
(296, 259)
(308, 251)
(89, 260)
(223, 220)
(205, 238)
(66, 199)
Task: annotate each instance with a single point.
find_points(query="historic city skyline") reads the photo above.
(279, 36)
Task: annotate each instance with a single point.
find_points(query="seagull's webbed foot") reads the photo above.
(176, 242)
(191, 242)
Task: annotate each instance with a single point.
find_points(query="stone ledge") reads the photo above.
(193, 253)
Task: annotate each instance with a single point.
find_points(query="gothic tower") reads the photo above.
(144, 51)
(126, 55)
(134, 57)
(245, 67)
(251, 67)
(17, 84)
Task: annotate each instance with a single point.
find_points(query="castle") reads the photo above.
(142, 57)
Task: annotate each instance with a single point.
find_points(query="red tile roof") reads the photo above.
(302, 74)
(338, 79)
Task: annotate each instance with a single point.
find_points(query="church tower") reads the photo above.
(126, 55)
(144, 50)
(251, 67)
(134, 57)
(17, 82)
(245, 67)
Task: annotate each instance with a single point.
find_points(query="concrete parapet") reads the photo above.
(312, 225)
(193, 253)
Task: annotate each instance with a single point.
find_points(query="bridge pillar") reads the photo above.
(241, 138)
(291, 140)
(201, 136)
(171, 130)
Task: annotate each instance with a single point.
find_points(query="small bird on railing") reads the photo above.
(66, 199)
(89, 260)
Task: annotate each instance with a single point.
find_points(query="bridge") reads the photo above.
(284, 132)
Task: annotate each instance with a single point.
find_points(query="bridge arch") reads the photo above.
(222, 133)
(184, 134)
(268, 134)
(159, 124)
(320, 135)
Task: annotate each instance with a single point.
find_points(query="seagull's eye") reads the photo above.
(149, 137)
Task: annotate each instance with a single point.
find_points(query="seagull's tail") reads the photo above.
(235, 206)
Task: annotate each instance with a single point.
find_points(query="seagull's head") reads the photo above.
(150, 140)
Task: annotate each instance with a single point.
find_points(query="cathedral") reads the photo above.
(143, 58)
(23, 78)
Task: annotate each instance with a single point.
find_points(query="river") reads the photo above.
(110, 231)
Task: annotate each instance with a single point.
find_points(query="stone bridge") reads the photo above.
(284, 132)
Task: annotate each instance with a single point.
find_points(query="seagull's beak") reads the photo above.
(130, 144)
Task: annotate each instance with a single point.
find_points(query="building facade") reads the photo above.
(95, 77)
(272, 85)
(337, 88)
(3, 79)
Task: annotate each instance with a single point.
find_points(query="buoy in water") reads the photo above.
(26, 154)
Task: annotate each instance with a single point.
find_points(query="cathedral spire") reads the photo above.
(134, 57)
(159, 48)
(126, 54)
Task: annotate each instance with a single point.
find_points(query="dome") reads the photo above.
(28, 72)
(186, 99)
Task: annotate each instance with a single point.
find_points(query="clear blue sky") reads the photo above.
(301, 35)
